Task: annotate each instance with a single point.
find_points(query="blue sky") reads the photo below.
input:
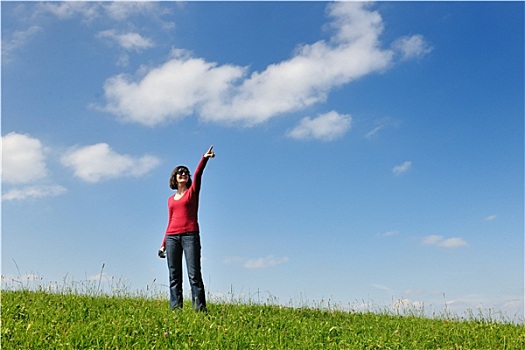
(366, 153)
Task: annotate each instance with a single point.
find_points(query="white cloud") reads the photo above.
(122, 10)
(440, 241)
(374, 131)
(327, 127)
(186, 85)
(17, 41)
(411, 47)
(380, 125)
(23, 159)
(491, 218)
(453, 242)
(266, 262)
(402, 168)
(432, 240)
(388, 234)
(123, 60)
(256, 263)
(90, 10)
(99, 162)
(23, 162)
(128, 41)
(171, 91)
(69, 9)
(33, 192)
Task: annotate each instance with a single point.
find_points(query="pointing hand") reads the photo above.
(209, 153)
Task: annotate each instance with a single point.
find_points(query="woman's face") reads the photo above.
(182, 176)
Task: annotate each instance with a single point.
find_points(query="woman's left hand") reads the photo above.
(162, 252)
(209, 153)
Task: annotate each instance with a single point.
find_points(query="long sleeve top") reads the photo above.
(183, 212)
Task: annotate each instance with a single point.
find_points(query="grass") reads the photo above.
(40, 319)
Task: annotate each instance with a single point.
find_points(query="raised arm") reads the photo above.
(200, 168)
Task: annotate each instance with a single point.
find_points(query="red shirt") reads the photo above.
(183, 213)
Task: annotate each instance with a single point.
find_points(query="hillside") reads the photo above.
(40, 320)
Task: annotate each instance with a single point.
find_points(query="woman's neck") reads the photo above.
(181, 189)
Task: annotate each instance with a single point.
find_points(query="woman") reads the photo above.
(182, 234)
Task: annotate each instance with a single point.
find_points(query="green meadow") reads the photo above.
(40, 319)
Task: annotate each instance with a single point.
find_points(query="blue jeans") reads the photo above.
(189, 244)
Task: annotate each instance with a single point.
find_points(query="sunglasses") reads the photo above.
(183, 172)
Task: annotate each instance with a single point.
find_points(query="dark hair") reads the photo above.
(173, 177)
